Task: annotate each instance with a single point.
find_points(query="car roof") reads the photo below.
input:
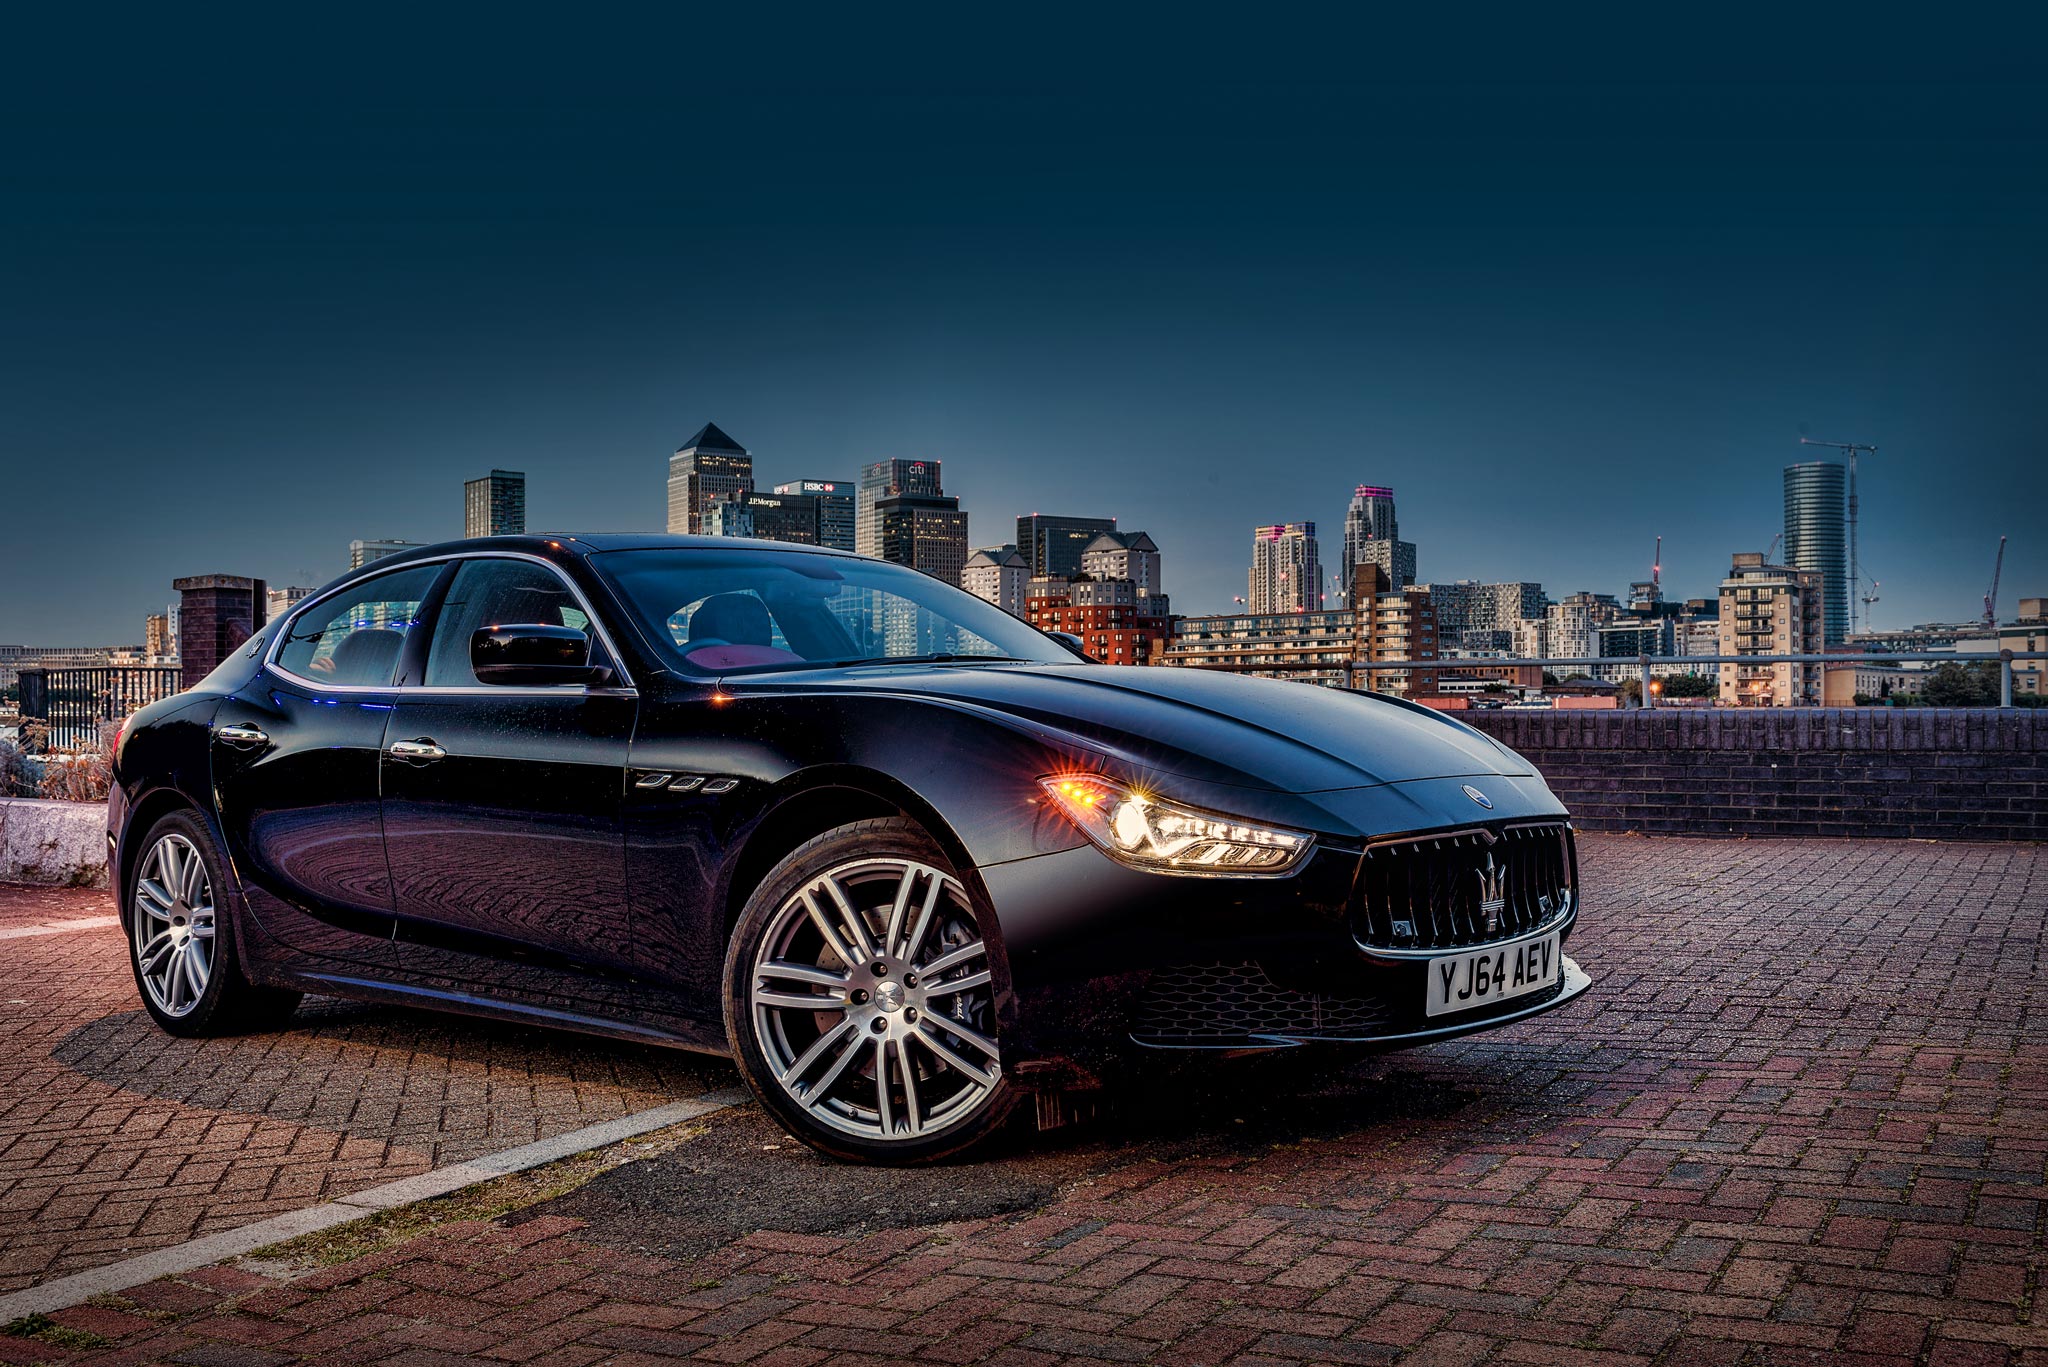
(584, 543)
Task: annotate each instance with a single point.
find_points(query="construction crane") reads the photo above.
(1855, 568)
(1869, 597)
(1991, 594)
(1774, 547)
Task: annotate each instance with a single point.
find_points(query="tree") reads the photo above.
(1961, 685)
(1548, 677)
(1691, 686)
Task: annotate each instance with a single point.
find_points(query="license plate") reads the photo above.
(1481, 977)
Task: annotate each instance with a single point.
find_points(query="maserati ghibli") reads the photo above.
(909, 861)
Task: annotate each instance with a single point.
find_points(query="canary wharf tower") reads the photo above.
(1815, 524)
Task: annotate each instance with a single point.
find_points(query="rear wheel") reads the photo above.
(180, 944)
(860, 998)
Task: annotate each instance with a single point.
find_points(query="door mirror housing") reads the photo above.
(532, 655)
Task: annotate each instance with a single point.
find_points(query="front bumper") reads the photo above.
(1109, 965)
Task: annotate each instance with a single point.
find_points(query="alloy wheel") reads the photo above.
(174, 925)
(872, 1001)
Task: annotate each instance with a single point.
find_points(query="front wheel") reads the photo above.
(860, 999)
(180, 944)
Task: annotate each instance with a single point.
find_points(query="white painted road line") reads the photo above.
(233, 1243)
(59, 927)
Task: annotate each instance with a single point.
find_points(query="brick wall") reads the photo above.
(216, 614)
(1919, 772)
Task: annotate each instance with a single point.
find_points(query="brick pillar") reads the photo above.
(216, 614)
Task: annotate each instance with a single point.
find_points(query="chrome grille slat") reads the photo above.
(1432, 883)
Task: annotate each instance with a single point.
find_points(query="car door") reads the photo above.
(503, 807)
(296, 757)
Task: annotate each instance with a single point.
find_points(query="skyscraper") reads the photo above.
(495, 505)
(1053, 545)
(1372, 536)
(1287, 570)
(927, 532)
(709, 465)
(835, 508)
(1815, 537)
(889, 479)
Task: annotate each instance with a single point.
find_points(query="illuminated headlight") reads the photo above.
(1149, 832)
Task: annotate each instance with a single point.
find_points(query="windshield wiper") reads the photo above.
(936, 659)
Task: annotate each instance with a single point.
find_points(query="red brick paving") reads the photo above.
(1802, 1117)
(116, 1139)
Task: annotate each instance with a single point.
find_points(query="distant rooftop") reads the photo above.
(710, 438)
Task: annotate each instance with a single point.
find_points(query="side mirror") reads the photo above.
(533, 655)
(1073, 643)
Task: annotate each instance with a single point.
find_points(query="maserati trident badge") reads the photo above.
(1493, 893)
(1481, 798)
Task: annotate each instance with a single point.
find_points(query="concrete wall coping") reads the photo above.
(61, 843)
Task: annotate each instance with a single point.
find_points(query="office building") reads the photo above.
(765, 517)
(1287, 571)
(495, 505)
(998, 574)
(889, 479)
(1771, 610)
(1321, 646)
(1573, 627)
(707, 467)
(729, 516)
(927, 532)
(1054, 545)
(277, 602)
(835, 509)
(1309, 647)
(2028, 631)
(1128, 555)
(1372, 536)
(361, 553)
(1116, 625)
(1477, 616)
(157, 647)
(1816, 537)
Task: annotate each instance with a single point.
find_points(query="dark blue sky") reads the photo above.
(268, 287)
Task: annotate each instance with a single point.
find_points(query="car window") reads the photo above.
(357, 636)
(489, 593)
(734, 611)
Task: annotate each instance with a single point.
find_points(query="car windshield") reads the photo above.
(752, 611)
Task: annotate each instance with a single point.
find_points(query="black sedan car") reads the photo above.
(906, 859)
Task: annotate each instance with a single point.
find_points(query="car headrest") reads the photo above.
(368, 657)
(738, 619)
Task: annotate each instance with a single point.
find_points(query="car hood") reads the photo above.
(1199, 724)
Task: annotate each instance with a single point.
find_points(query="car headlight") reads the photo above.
(1149, 832)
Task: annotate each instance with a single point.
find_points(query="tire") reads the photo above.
(175, 910)
(870, 1052)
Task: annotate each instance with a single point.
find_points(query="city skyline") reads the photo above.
(1562, 317)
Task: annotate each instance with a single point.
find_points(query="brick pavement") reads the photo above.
(116, 1139)
(1802, 1117)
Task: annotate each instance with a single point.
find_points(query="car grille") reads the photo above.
(1206, 1003)
(1429, 892)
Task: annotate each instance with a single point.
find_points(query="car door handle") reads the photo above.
(242, 737)
(416, 751)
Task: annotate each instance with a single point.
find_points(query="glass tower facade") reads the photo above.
(1816, 526)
